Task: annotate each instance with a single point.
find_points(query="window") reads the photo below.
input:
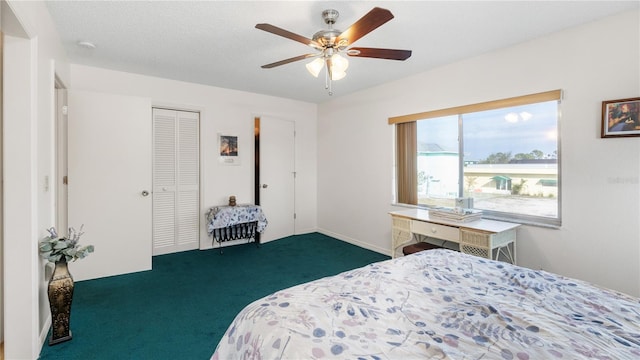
(502, 154)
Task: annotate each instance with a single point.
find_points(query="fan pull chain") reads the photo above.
(327, 81)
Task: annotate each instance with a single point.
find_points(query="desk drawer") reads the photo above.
(437, 231)
(487, 240)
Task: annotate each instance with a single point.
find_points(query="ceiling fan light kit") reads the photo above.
(315, 66)
(330, 43)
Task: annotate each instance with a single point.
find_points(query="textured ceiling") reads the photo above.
(215, 42)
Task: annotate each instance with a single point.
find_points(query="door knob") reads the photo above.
(264, 186)
(145, 193)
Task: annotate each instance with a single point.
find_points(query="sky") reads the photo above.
(519, 129)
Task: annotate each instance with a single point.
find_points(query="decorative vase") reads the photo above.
(60, 296)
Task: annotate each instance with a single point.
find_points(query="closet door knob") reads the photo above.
(145, 193)
(264, 186)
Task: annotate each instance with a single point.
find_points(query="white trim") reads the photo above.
(20, 235)
(355, 242)
(44, 332)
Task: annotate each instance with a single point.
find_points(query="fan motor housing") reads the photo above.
(328, 36)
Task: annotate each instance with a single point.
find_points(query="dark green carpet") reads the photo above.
(181, 308)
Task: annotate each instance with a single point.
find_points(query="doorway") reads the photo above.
(110, 172)
(60, 177)
(275, 175)
(176, 181)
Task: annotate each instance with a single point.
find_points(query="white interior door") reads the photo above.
(109, 167)
(60, 181)
(277, 177)
(176, 175)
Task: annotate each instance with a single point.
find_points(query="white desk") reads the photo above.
(485, 238)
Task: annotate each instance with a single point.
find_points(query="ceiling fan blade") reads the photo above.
(389, 54)
(369, 22)
(286, 61)
(288, 34)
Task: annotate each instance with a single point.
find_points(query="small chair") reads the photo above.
(421, 246)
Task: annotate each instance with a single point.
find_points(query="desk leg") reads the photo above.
(509, 252)
(216, 239)
(512, 252)
(236, 232)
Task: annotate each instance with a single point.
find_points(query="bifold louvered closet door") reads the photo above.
(176, 174)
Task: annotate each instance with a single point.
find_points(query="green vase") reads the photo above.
(60, 293)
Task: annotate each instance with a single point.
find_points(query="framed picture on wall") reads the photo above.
(621, 118)
(228, 149)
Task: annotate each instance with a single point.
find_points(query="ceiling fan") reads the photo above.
(330, 43)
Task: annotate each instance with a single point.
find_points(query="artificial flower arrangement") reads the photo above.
(54, 247)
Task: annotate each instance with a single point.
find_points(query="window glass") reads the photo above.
(438, 161)
(508, 166)
(511, 159)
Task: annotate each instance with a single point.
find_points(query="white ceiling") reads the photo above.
(215, 42)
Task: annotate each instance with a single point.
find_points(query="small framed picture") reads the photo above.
(228, 149)
(621, 118)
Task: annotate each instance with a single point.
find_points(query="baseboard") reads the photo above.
(355, 242)
(44, 332)
(347, 239)
(305, 231)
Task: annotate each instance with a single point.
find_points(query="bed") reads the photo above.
(438, 304)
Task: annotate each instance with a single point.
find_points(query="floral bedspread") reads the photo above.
(438, 304)
(224, 216)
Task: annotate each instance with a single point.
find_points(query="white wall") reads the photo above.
(223, 111)
(33, 55)
(599, 240)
